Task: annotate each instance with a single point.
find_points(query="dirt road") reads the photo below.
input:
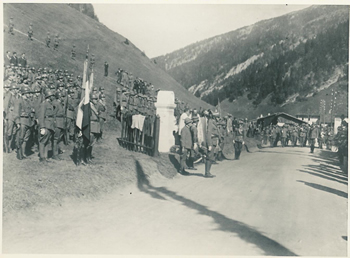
(278, 201)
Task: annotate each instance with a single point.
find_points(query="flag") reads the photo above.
(85, 126)
(85, 73)
(218, 107)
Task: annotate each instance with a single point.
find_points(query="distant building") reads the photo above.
(308, 118)
(279, 118)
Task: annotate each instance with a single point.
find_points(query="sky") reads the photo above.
(159, 29)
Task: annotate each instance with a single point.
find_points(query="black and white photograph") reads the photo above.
(175, 128)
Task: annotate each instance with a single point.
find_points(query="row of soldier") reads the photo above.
(40, 111)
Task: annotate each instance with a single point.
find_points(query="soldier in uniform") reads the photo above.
(102, 114)
(60, 127)
(186, 144)
(210, 136)
(47, 125)
(48, 40)
(11, 26)
(26, 122)
(72, 105)
(313, 133)
(92, 61)
(95, 128)
(106, 69)
(302, 136)
(284, 135)
(13, 116)
(73, 52)
(30, 32)
(56, 42)
(238, 139)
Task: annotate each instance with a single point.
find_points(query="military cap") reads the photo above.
(14, 87)
(49, 93)
(94, 96)
(216, 114)
(102, 88)
(123, 90)
(118, 90)
(102, 96)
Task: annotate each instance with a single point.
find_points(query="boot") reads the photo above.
(23, 149)
(9, 140)
(19, 153)
(55, 151)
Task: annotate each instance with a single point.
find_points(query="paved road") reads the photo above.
(280, 201)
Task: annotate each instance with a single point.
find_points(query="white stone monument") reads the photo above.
(165, 109)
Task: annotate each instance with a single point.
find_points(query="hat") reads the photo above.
(216, 114)
(49, 93)
(188, 121)
(118, 89)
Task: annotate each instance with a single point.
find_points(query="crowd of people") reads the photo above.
(40, 109)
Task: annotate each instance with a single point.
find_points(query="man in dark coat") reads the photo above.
(186, 144)
(106, 68)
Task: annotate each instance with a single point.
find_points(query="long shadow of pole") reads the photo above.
(245, 232)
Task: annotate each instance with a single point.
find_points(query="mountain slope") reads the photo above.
(77, 28)
(281, 60)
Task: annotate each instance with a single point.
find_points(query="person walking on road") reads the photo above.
(312, 136)
(186, 145)
(238, 140)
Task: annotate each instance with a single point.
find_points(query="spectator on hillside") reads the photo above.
(48, 39)
(106, 68)
(8, 57)
(14, 59)
(23, 60)
(30, 32)
(73, 52)
(11, 26)
(56, 42)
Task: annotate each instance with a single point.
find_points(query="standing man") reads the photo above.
(47, 125)
(95, 128)
(30, 32)
(14, 59)
(48, 39)
(238, 139)
(302, 136)
(106, 69)
(59, 115)
(11, 26)
(210, 135)
(56, 42)
(27, 112)
(102, 114)
(23, 60)
(12, 110)
(313, 133)
(8, 57)
(284, 135)
(73, 52)
(186, 145)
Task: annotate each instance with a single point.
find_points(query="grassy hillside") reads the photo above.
(76, 28)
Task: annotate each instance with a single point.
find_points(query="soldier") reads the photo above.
(47, 126)
(23, 60)
(73, 52)
(48, 40)
(95, 128)
(194, 149)
(119, 76)
(30, 32)
(313, 133)
(106, 69)
(60, 127)
(302, 136)
(320, 138)
(238, 139)
(210, 142)
(12, 110)
(229, 127)
(72, 104)
(186, 145)
(284, 135)
(14, 59)
(11, 26)
(56, 42)
(26, 122)
(102, 114)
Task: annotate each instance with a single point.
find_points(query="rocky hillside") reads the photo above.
(279, 61)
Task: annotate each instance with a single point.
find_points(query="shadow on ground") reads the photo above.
(328, 168)
(245, 232)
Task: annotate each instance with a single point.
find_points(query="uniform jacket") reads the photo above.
(14, 108)
(211, 133)
(186, 138)
(14, 60)
(46, 115)
(26, 113)
(313, 134)
(194, 133)
(239, 135)
(59, 114)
